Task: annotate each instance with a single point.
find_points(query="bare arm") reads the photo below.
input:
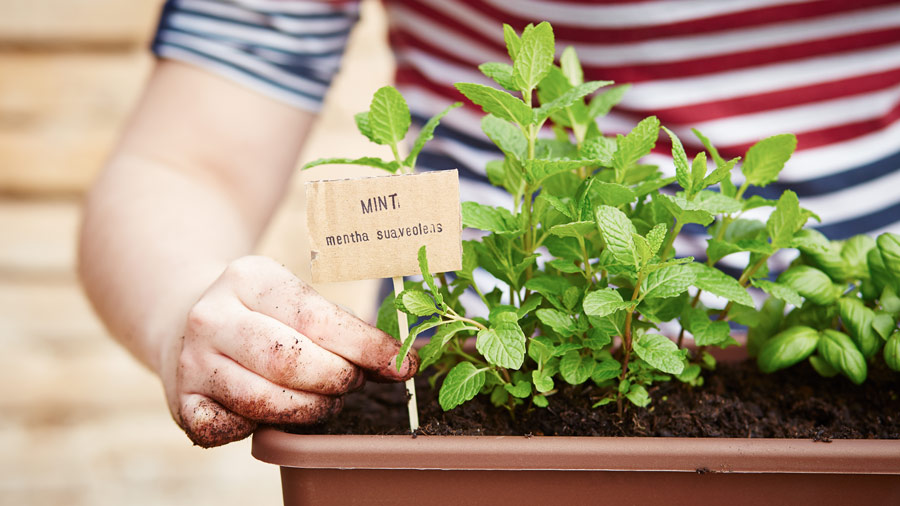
(235, 340)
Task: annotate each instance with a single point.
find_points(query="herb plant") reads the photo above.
(586, 275)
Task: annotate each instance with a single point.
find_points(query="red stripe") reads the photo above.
(723, 22)
(692, 114)
(720, 63)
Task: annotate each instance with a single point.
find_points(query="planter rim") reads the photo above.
(517, 453)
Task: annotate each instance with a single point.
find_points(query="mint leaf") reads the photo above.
(427, 133)
(682, 169)
(560, 322)
(554, 202)
(508, 137)
(416, 302)
(362, 124)
(611, 194)
(603, 302)
(503, 344)
(368, 161)
(534, 56)
(713, 152)
(659, 351)
(496, 102)
(575, 368)
(411, 338)
(386, 321)
(491, 219)
(705, 331)
(656, 236)
(766, 158)
(501, 73)
(717, 282)
(601, 104)
(429, 279)
(543, 381)
(521, 389)
(540, 349)
(720, 173)
(617, 232)
(684, 211)
(638, 396)
(600, 149)
(537, 170)
(571, 67)
(668, 281)
(779, 291)
(785, 220)
(388, 116)
(634, 146)
(462, 383)
(567, 99)
(573, 229)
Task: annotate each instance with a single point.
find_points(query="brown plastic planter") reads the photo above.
(471, 471)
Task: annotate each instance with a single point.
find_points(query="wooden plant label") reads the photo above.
(373, 227)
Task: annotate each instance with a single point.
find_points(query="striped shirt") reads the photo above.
(738, 70)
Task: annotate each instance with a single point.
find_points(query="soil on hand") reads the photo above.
(735, 401)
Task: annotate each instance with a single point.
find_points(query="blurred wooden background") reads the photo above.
(81, 423)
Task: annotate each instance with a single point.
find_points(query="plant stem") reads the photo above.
(626, 339)
(744, 281)
(675, 231)
(453, 315)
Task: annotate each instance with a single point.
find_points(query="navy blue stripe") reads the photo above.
(833, 182)
(263, 26)
(172, 4)
(316, 98)
(862, 224)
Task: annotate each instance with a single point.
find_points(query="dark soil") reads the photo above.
(736, 401)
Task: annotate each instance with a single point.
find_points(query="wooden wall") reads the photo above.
(80, 421)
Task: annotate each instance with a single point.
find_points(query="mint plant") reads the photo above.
(844, 307)
(584, 261)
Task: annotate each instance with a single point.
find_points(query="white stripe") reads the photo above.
(236, 76)
(629, 16)
(450, 41)
(856, 200)
(667, 93)
(302, 8)
(838, 157)
(257, 36)
(749, 128)
(680, 48)
(246, 61)
(290, 25)
(441, 71)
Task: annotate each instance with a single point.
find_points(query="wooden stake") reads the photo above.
(411, 404)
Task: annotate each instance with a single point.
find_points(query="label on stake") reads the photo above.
(373, 228)
(363, 228)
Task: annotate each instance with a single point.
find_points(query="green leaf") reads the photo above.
(427, 133)
(715, 281)
(534, 56)
(811, 283)
(669, 281)
(503, 344)
(787, 348)
(779, 291)
(634, 146)
(785, 220)
(508, 137)
(368, 161)
(540, 349)
(838, 350)
(603, 302)
(705, 331)
(521, 389)
(685, 211)
(571, 67)
(719, 249)
(543, 381)
(765, 159)
(430, 353)
(682, 169)
(690, 373)
(611, 194)
(601, 104)
(555, 202)
(560, 322)
(656, 236)
(462, 384)
(889, 247)
(891, 352)
(567, 99)
(698, 171)
(496, 102)
(573, 229)
(638, 396)
(411, 338)
(513, 42)
(416, 302)
(713, 152)
(858, 320)
(606, 369)
(429, 279)
(501, 73)
(575, 368)
(491, 219)
(823, 367)
(884, 324)
(659, 351)
(720, 173)
(617, 232)
(362, 124)
(601, 149)
(564, 265)
(551, 287)
(854, 252)
(531, 303)
(448, 331)
(469, 260)
(388, 116)
(386, 320)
